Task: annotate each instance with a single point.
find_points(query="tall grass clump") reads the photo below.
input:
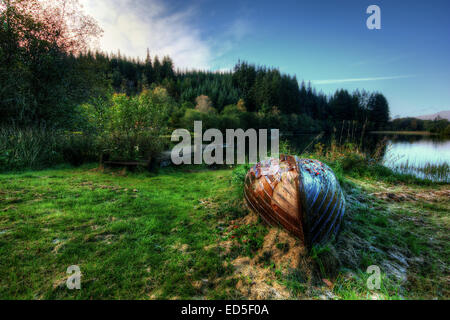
(35, 148)
(433, 171)
(28, 148)
(349, 159)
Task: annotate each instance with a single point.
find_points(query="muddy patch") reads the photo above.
(406, 194)
(181, 247)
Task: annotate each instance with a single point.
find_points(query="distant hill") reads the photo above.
(442, 114)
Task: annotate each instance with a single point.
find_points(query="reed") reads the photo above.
(28, 148)
(432, 171)
(38, 148)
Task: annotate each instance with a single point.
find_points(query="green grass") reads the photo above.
(159, 236)
(134, 237)
(386, 233)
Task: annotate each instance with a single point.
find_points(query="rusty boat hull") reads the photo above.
(301, 195)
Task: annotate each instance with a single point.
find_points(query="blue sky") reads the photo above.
(325, 42)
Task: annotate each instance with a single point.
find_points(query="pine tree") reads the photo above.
(378, 110)
(148, 70)
(157, 72)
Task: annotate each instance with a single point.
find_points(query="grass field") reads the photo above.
(185, 233)
(133, 237)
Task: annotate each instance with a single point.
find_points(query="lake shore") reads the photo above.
(186, 233)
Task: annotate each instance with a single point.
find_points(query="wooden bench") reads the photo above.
(128, 164)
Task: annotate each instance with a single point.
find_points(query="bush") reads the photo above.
(78, 148)
(239, 173)
(209, 120)
(125, 128)
(126, 146)
(134, 125)
(355, 163)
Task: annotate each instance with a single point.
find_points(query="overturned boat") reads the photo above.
(301, 195)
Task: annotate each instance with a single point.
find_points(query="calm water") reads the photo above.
(416, 150)
(415, 154)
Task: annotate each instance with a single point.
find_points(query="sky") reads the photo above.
(326, 42)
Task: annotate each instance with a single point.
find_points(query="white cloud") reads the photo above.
(335, 81)
(235, 32)
(132, 26)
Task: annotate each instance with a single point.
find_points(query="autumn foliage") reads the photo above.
(41, 80)
(56, 22)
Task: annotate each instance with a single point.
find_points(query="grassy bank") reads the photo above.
(185, 233)
(133, 235)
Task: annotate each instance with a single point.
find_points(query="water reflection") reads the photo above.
(417, 151)
(423, 156)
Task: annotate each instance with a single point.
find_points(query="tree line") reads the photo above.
(89, 103)
(45, 75)
(437, 126)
